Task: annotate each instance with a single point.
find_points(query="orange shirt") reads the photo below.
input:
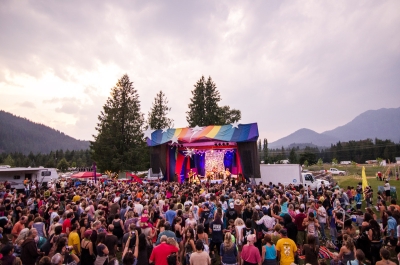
(17, 229)
(139, 195)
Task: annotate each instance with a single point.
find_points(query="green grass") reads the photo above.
(370, 170)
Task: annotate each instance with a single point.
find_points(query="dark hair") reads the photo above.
(70, 214)
(199, 245)
(100, 238)
(311, 240)
(61, 242)
(74, 226)
(191, 231)
(249, 223)
(5, 250)
(200, 229)
(360, 256)
(385, 254)
(128, 259)
(368, 217)
(58, 229)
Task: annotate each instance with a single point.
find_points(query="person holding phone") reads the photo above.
(129, 258)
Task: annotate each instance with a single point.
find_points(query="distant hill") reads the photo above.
(382, 124)
(302, 137)
(21, 135)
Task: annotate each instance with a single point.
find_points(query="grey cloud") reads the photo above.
(285, 64)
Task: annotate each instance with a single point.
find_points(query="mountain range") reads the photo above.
(382, 124)
(22, 135)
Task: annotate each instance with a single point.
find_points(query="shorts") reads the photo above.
(301, 237)
(387, 192)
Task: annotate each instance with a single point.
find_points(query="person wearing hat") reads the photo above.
(250, 254)
(87, 248)
(238, 206)
(285, 248)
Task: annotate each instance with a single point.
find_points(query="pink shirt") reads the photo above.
(250, 254)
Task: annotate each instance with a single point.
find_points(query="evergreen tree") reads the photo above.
(196, 114)
(212, 98)
(265, 149)
(119, 144)
(204, 109)
(293, 157)
(157, 118)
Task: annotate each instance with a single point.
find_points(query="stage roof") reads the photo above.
(228, 133)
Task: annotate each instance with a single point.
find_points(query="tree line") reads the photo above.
(55, 159)
(355, 151)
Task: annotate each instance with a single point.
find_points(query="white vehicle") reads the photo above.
(335, 171)
(310, 180)
(289, 174)
(17, 175)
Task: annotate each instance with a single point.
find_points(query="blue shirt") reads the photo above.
(228, 257)
(270, 252)
(170, 215)
(391, 226)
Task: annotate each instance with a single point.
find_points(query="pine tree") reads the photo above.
(293, 157)
(204, 109)
(119, 144)
(196, 114)
(157, 117)
(265, 149)
(212, 98)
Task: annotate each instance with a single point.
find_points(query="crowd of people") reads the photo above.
(167, 223)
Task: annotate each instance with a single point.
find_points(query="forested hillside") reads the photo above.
(23, 136)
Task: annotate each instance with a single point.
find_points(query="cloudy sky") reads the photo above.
(285, 64)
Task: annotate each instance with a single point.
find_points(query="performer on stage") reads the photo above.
(215, 171)
(190, 175)
(227, 174)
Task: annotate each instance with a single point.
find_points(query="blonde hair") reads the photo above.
(239, 221)
(228, 241)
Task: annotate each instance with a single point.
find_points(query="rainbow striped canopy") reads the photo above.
(227, 133)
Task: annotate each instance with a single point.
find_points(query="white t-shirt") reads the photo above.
(321, 215)
(138, 208)
(387, 186)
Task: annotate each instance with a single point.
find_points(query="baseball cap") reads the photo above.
(283, 232)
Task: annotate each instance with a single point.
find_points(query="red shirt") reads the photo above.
(161, 252)
(298, 220)
(66, 223)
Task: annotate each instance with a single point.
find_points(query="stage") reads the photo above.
(204, 151)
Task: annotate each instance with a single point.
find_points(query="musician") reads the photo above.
(190, 175)
(227, 173)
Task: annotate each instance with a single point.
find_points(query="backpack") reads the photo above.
(171, 259)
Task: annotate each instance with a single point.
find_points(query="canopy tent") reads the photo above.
(176, 151)
(86, 174)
